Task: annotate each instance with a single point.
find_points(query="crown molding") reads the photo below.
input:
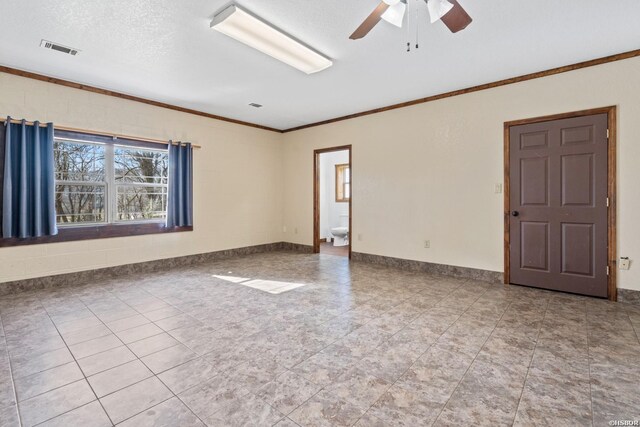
(512, 80)
(67, 83)
(499, 83)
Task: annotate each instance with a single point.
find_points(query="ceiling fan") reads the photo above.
(448, 11)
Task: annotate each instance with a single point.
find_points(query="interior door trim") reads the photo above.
(316, 195)
(612, 290)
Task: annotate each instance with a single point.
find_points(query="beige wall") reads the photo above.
(237, 179)
(437, 164)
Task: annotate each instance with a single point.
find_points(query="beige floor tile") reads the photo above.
(288, 391)
(108, 359)
(135, 399)
(188, 375)
(325, 409)
(152, 344)
(33, 385)
(168, 358)
(55, 402)
(89, 415)
(117, 378)
(138, 333)
(95, 346)
(458, 351)
(171, 412)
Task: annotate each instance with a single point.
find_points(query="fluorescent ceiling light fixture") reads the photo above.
(438, 8)
(242, 26)
(395, 14)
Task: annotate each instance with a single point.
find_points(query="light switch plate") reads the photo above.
(498, 189)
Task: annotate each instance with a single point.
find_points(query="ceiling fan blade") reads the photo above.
(457, 18)
(370, 22)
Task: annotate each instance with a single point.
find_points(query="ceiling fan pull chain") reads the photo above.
(417, 26)
(408, 26)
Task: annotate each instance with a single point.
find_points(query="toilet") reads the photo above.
(341, 234)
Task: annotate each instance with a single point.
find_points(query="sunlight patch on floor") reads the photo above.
(271, 286)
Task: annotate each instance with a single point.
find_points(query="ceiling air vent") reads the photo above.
(253, 104)
(60, 48)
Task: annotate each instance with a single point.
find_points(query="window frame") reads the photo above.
(104, 184)
(342, 182)
(113, 219)
(101, 230)
(111, 184)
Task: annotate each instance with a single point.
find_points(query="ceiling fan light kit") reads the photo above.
(393, 11)
(438, 8)
(252, 31)
(395, 14)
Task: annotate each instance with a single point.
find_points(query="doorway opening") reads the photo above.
(332, 198)
(560, 202)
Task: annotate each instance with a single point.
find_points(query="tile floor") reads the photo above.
(357, 345)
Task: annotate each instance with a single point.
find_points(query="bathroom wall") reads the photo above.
(428, 172)
(237, 179)
(330, 210)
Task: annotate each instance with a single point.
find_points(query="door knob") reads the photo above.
(515, 213)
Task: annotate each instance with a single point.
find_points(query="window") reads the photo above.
(141, 184)
(80, 182)
(100, 181)
(343, 183)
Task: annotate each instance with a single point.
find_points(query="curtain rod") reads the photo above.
(114, 135)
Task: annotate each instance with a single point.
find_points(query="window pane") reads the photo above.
(79, 203)
(347, 190)
(141, 202)
(79, 162)
(134, 165)
(347, 175)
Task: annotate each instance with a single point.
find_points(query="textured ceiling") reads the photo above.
(164, 50)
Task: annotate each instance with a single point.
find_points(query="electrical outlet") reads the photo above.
(284, 228)
(625, 263)
(360, 237)
(427, 244)
(295, 230)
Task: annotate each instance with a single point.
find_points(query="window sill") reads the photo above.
(93, 232)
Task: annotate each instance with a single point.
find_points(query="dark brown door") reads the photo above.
(558, 201)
